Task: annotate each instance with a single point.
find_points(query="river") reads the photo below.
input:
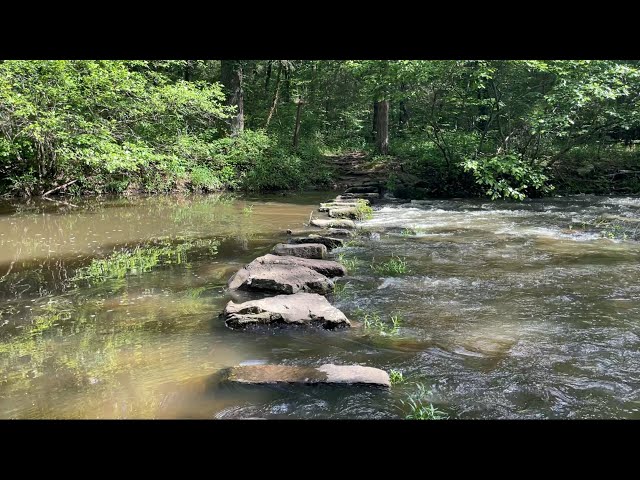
(109, 308)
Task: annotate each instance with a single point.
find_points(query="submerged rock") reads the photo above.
(305, 250)
(336, 223)
(298, 309)
(328, 242)
(326, 374)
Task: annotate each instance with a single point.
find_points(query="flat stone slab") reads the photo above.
(335, 223)
(315, 250)
(281, 279)
(362, 189)
(349, 212)
(340, 232)
(307, 309)
(326, 374)
(328, 242)
(351, 196)
(328, 268)
(325, 207)
(287, 274)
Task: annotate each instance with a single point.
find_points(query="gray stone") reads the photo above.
(325, 207)
(326, 374)
(281, 279)
(297, 309)
(362, 189)
(340, 232)
(306, 250)
(335, 223)
(350, 196)
(328, 268)
(328, 242)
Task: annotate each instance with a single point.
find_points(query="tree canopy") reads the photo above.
(502, 128)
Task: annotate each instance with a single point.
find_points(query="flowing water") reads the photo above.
(109, 309)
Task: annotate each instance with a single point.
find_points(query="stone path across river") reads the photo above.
(297, 274)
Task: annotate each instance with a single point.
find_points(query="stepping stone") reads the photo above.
(286, 274)
(328, 268)
(307, 309)
(344, 213)
(328, 242)
(281, 279)
(361, 189)
(325, 207)
(340, 232)
(328, 374)
(306, 250)
(336, 223)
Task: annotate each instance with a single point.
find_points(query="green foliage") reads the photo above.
(502, 128)
(393, 267)
(364, 211)
(508, 176)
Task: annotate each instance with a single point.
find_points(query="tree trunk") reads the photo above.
(231, 77)
(274, 104)
(187, 70)
(403, 117)
(382, 127)
(296, 130)
(374, 124)
(268, 79)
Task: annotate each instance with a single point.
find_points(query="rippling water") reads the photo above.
(530, 310)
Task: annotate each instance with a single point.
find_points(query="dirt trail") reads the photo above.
(355, 169)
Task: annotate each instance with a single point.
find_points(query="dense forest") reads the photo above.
(440, 128)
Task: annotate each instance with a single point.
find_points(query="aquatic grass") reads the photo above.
(341, 290)
(363, 211)
(247, 210)
(409, 232)
(372, 321)
(350, 263)
(396, 377)
(613, 228)
(139, 260)
(422, 411)
(419, 408)
(395, 266)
